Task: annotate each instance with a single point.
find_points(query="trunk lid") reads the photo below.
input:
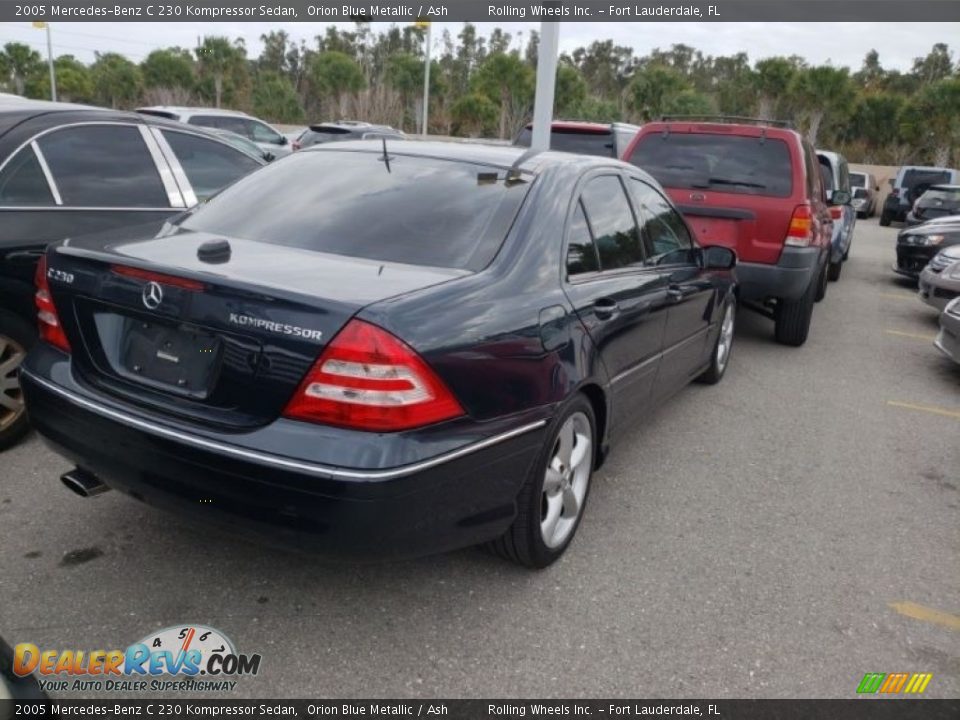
(223, 341)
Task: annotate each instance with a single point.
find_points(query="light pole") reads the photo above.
(546, 85)
(426, 79)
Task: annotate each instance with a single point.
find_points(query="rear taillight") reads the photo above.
(48, 321)
(800, 232)
(836, 212)
(367, 379)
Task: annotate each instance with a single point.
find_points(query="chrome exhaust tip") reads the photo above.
(83, 483)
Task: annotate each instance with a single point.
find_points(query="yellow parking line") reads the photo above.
(898, 296)
(925, 408)
(919, 612)
(918, 336)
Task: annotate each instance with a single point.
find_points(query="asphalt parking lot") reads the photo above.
(777, 535)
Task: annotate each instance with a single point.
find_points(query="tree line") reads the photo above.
(484, 86)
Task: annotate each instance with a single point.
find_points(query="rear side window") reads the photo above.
(664, 233)
(581, 252)
(418, 211)
(721, 163)
(580, 142)
(23, 182)
(103, 166)
(611, 220)
(210, 166)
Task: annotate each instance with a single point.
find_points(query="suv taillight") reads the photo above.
(367, 379)
(48, 321)
(800, 232)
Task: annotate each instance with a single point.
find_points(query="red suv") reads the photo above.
(756, 188)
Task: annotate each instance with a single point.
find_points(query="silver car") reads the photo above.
(836, 179)
(865, 189)
(265, 136)
(940, 279)
(948, 339)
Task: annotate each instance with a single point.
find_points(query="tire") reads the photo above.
(833, 271)
(792, 324)
(720, 355)
(16, 337)
(821, 285)
(885, 219)
(531, 540)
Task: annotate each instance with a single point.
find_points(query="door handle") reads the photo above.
(606, 308)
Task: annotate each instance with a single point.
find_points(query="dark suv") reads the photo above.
(68, 170)
(585, 138)
(756, 188)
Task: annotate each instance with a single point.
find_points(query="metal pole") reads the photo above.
(546, 82)
(53, 75)
(426, 82)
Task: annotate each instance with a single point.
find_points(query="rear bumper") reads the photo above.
(786, 280)
(459, 498)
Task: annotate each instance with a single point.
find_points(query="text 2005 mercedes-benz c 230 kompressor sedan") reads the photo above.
(380, 350)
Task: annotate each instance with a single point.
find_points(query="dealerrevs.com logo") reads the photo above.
(187, 658)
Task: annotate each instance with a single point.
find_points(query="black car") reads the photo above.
(68, 170)
(938, 201)
(917, 245)
(404, 354)
(345, 130)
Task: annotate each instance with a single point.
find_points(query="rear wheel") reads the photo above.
(723, 346)
(792, 323)
(553, 497)
(833, 273)
(885, 218)
(16, 337)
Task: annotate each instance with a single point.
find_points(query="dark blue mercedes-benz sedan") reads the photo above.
(380, 349)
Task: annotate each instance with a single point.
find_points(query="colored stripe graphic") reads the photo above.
(893, 683)
(871, 682)
(918, 683)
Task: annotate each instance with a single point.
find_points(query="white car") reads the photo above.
(259, 132)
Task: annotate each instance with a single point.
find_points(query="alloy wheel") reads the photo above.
(11, 396)
(725, 341)
(566, 480)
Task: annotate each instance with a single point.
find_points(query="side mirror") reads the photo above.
(717, 257)
(840, 197)
(269, 156)
(284, 140)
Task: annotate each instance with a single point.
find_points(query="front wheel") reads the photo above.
(554, 495)
(720, 356)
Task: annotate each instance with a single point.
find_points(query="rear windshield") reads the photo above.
(913, 178)
(315, 136)
(941, 196)
(722, 163)
(419, 211)
(858, 180)
(580, 142)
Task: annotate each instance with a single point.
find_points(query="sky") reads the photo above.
(841, 44)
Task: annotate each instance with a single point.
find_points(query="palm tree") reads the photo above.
(216, 57)
(19, 61)
(821, 92)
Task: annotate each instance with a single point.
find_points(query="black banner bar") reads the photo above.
(865, 708)
(401, 11)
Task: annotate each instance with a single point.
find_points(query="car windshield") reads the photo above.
(581, 142)
(420, 211)
(941, 196)
(725, 163)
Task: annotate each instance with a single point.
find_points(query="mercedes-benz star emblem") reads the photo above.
(152, 295)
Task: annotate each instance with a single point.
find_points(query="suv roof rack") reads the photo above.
(730, 119)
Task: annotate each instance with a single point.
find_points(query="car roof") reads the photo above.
(926, 168)
(940, 186)
(830, 155)
(719, 128)
(589, 127)
(189, 110)
(499, 156)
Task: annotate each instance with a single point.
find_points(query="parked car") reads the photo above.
(940, 279)
(909, 184)
(586, 138)
(948, 339)
(441, 362)
(756, 188)
(266, 136)
(66, 170)
(835, 174)
(865, 189)
(917, 245)
(245, 144)
(345, 130)
(938, 201)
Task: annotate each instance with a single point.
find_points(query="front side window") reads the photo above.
(611, 219)
(261, 133)
(23, 183)
(213, 121)
(210, 166)
(664, 232)
(103, 166)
